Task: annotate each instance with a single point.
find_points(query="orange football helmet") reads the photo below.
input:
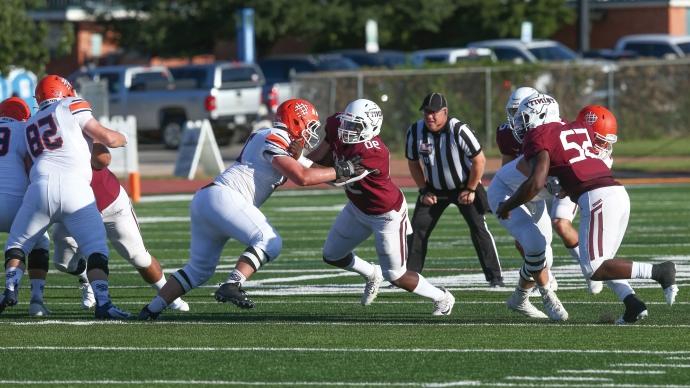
(15, 108)
(52, 88)
(605, 127)
(300, 119)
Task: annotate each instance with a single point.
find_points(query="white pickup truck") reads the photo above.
(227, 94)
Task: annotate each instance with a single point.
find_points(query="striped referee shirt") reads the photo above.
(445, 155)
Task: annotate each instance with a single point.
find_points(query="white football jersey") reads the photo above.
(55, 140)
(513, 178)
(252, 174)
(12, 150)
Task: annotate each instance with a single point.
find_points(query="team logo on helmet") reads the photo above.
(301, 109)
(591, 118)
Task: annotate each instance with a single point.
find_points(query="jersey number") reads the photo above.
(49, 140)
(4, 140)
(583, 149)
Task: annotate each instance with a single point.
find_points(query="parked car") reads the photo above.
(279, 71)
(382, 58)
(228, 95)
(655, 45)
(518, 51)
(610, 55)
(452, 55)
(231, 95)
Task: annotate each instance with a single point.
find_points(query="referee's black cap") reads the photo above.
(434, 102)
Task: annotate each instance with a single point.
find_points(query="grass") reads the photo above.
(308, 328)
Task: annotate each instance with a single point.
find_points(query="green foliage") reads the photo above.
(22, 41)
(188, 27)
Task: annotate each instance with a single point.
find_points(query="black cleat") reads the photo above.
(664, 273)
(9, 299)
(111, 312)
(635, 310)
(233, 293)
(147, 315)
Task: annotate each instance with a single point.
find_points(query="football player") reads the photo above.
(229, 206)
(376, 206)
(529, 224)
(56, 139)
(563, 209)
(122, 229)
(13, 169)
(566, 151)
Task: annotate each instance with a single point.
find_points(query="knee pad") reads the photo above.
(393, 274)
(536, 262)
(16, 254)
(340, 263)
(256, 257)
(185, 282)
(78, 270)
(98, 260)
(38, 259)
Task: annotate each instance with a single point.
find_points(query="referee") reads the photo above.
(446, 162)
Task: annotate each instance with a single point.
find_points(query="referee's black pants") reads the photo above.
(424, 220)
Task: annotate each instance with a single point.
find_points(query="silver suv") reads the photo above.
(655, 45)
(517, 51)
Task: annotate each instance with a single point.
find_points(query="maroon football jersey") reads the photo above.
(573, 159)
(375, 194)
(507, 143)
(106, 188)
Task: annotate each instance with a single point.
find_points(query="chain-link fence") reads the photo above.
(650, 98)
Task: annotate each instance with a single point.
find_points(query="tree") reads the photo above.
(189, 27)
(21, 40)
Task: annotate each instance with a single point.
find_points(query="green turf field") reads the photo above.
(308, 328)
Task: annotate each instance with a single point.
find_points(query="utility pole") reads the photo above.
(583, 26)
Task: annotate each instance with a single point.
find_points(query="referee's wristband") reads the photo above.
(470, 190)
(423, 191)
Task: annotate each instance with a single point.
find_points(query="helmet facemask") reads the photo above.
(352, 129)
(310, 134)
(604, 145)
(360, 122)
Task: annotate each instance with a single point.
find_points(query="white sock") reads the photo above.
(641, 270)
(544, 290)
(37, 286)
(360, 266)
(157, 305)
(236, 277)
(13, 275)
(426, 289)
(621, 288)
(100, 291)
(575, 253)
(160, 283)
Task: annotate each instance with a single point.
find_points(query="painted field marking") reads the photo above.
(557, 378)
(352, 350)
(646, 365)
(612, 371)
(240, 383)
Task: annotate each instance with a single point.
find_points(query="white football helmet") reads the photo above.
(360, 121)
(514, 101)
(536, 110)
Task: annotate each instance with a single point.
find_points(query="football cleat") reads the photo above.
(444, 306)
(147, 315)
(519, 302)
(635, 310)
(594, 286)
(496, 283)
(179, 305)
(110, 311)
(38, 309)
(88, 300)
(9, 299)
(665, 274)
(553, 306)
(371, 289)
(233, 293)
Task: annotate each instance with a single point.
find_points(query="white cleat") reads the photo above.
(179, 305)
(594, 286)
(670, 294)
(444, 306)
(371, 289)
(553, 306)
(88, 300)
(520, 303)
(38, 309)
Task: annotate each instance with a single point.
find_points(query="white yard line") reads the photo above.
(612, 371)
(556, 378)
(353, 350)
(646, 365)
